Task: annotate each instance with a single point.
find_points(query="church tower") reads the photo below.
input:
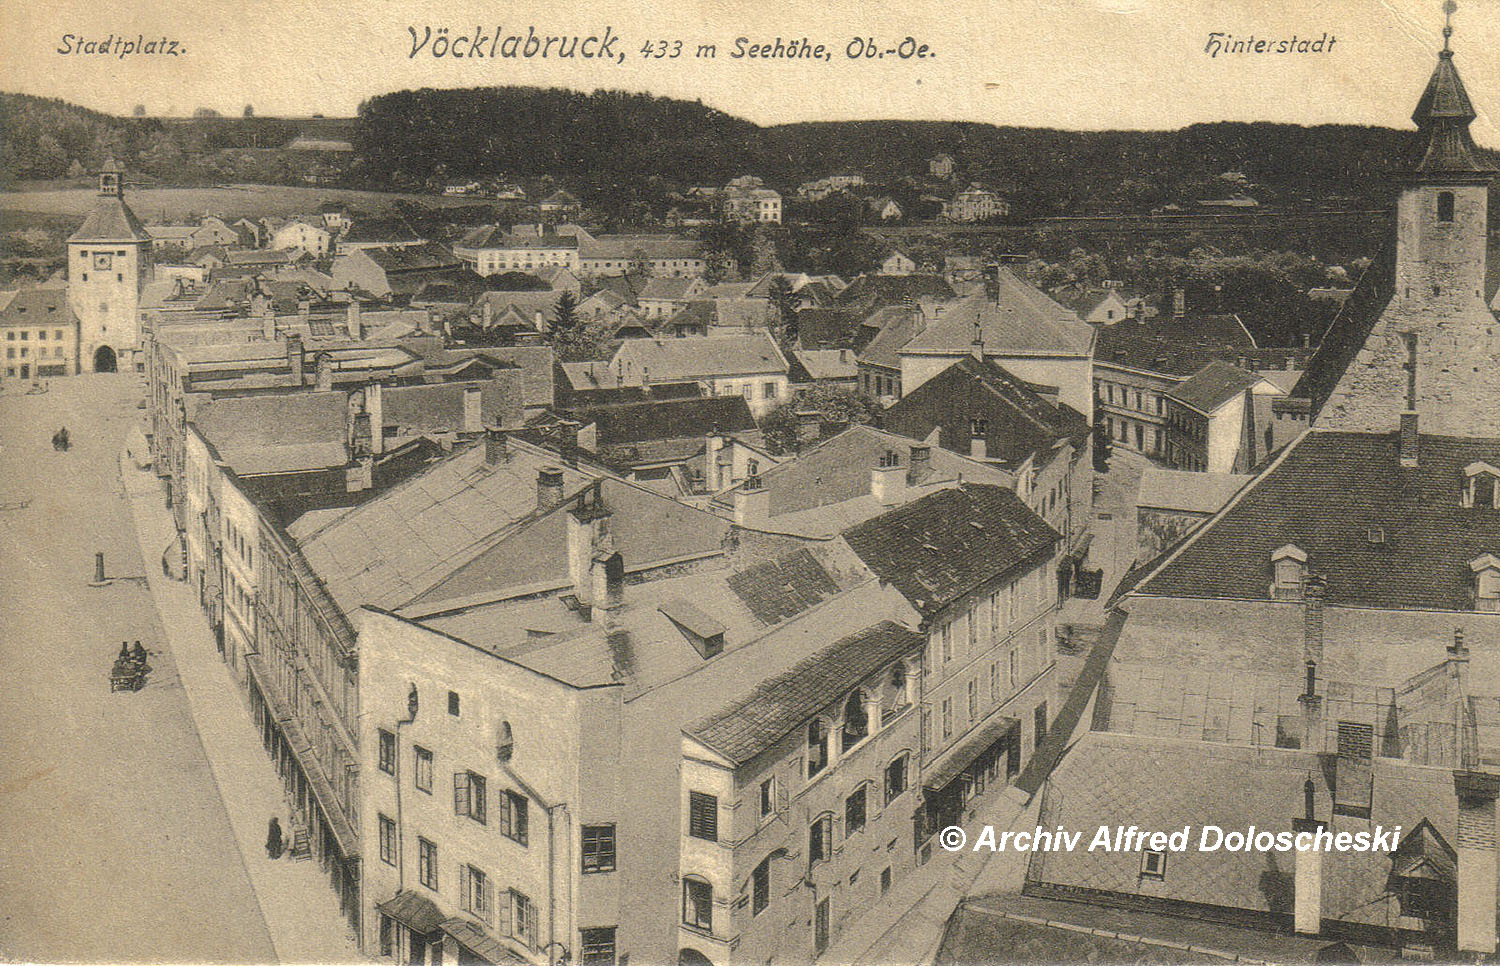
(1435, 350)
(109, 257)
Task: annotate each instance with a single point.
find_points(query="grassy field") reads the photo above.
(234, 201)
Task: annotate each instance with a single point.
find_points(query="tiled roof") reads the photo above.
(667, 287)
(276, 433)
(944, 545)
(897, 324)
(1347, 334)
(111, 220)
(1020, 423)
(782, 588)
(412, 258)
(828, 363)
(670, 419)
(1324, 495)
(1213, 386)
(1022, 321)
(651, 246)
(1172, 346)
(400, 543)
(1443, 115)
(868, 292)
(37, 306)
(387, 230)
(754, 723)
(678, 359)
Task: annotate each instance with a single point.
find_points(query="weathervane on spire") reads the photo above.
(1449, 9)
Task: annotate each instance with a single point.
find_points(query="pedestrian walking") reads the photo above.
(273, 839)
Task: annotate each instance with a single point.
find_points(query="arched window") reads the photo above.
(817, 747)
(698, 903)
(856, 720)
(1445, 206)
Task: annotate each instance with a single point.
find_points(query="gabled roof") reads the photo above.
(747, 727)
(1324, 495)
(869, 292)
(384, 230)
(276, 433)
(110, 221)
(1020, 423)
(944, 545)
(668, 287)
(1020, 320)
(897, 325)
(827, 363)
(1347, 333)
(821, 328)
(678, 359)
(783, 588)
(1174, 347)
(36, 306)
(1187, 492)
(670, 419)
(1212, 387)
(412, 258)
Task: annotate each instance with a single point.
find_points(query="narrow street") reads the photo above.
(117, 843)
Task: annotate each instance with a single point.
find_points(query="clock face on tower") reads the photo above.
(102, 261)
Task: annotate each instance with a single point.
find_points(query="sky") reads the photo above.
(1075, 64)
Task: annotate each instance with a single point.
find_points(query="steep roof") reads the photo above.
(778, 589)
(110, 221)
(745, 728)
(1187, 491)
(412, 258)
(1443, 115)
(868, 292)
(36, 306)
(384, 230)
(668, 287)
(897, 325)
(276, 433)
(1325, 495)
(1172, 346)
(1020, 423)
(1213, 386)
(823, 328)
(938, 548)
(1019, 320)
(1347, 333)
(678, 359)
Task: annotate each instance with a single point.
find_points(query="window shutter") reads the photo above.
(488, 894)
(460, 793)
(465, 890)
(781, 797)
(504, 911)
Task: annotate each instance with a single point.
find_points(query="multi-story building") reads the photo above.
(747, 199)
(746, 365)
(975, 204)
(1217, 420)
(41, 334)
(109, 260)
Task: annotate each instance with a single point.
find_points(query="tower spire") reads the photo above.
(1444, 113)
(1449, 9)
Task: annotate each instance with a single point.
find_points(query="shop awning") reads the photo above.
(416, 912)
(480, 943)
(948, 767)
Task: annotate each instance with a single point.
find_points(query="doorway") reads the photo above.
(104, 359)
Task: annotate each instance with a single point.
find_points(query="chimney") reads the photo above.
(976, 348)
(295, 358)
(714, 444)
(1314, 589)
(1179, 303)
(323, 373)
(607, 579)
(353, 324)
(567, 441)
(473, 409)
(888, 480)
(267, 313)
(921, 459)
(978, 447)
(375, 407)
(1476, 862)
(752, 503)
(1307, 875)
(487, 313)
(496, 446)
(992, 282)
(1410, 442)
(549, 487)
(304, 309)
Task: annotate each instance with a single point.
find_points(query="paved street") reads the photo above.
(117, 843)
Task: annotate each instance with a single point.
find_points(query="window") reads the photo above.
(1288, 566)
(973, 623)
(596, 945)
(820, 838)
(995, 682)
(820, 926)
(885, 880)
(768, 797)
(422, 772)
(856, 721)
(768, 391)
(523, 918)
(698, 904)
(817, 747)
(703, 816)
(387, 840)
(41, 335)
(945, 636)
(427, 867)
(1445, 206)
(895, 777)
(453, 703)
(387, 935)
(747, 390)
(387, 752)
(760, 887)
(513, 821)
(470, 798)
(598, 848)
(1153, 865)
(947, 717)
(477, 892)
(854, 812)
(979, 428)
(1013, 669)
(973, 699)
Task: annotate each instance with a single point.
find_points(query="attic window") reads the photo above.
(1481, 486)
(1486, 569)
(1288, 568)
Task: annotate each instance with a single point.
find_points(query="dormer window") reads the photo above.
(856, 720)
(1482, 486)
(1486, 570)
(1288, 568)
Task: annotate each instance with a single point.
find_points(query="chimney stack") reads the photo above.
(1476, 862)
(1410, 443)
(549, 487)
(921, 459)
(978, 447)
(888, 480)
(713, 445)
(375, 407)
(496, 446)
(1179, 303)
(1307, 875)
(304, 310)
(353, 324)
(1314, 590)
(473, 413)
(295, 357)
(323, 373)
(752, 503)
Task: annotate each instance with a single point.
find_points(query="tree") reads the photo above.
(515, 282)
(781, 427)
(1102, 447)
(203, 112)
(140, 111)
(784, 301)
(249, 110)
(565, 318)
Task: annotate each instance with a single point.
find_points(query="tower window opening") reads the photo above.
(1445, 206)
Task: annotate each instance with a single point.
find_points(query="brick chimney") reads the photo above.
(375, 407)
(323, 373)
(1410, 441)
(921, 459)
(992, 283)
(1307, 872)
(888, 480)
(496, 446)
(1476, 861)
(752, 503)
(713, 445)
(352, 321)
(1179, 303)
(296, 357)
(549, 487)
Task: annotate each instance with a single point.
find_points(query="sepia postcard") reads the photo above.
(707, 484)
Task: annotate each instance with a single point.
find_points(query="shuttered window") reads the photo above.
(703, 816)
